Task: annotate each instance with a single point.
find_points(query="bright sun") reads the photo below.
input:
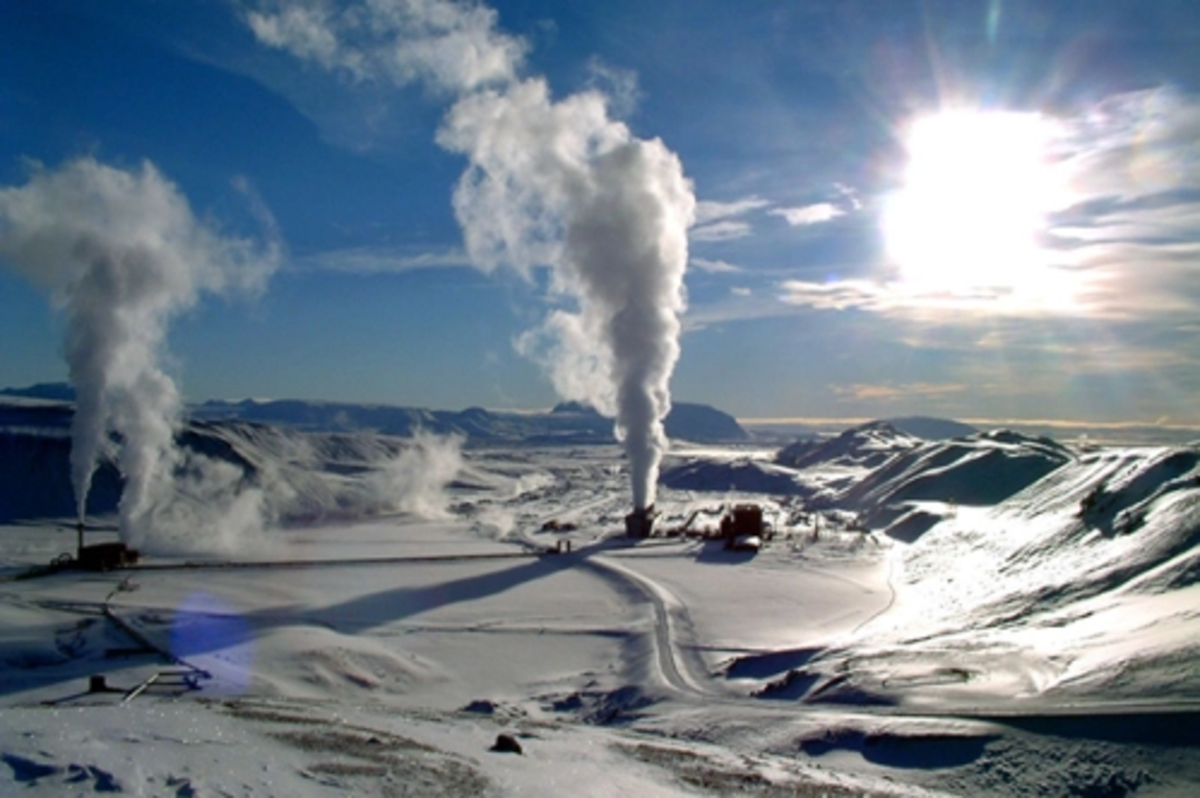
(976, 193)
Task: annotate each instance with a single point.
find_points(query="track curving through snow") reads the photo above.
(688, 677)
(675, 670)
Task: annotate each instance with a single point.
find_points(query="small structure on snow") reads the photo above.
(102, 556)
(107, 556)
(507, 744)
(640, 523)
(743, 528)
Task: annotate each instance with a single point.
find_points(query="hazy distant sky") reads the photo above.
(972, 209)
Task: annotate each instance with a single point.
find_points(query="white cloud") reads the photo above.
(890, 393)
(306, 32)
(715, 266)
(449, 46)
(377, 260)
(809, 214)
(738, 305)
(725, 230)
(621, 86)
(711, 211)
(836, 295)
(1133, 145)
(898, 299)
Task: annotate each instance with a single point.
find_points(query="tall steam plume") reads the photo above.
(554, 184)
(559, 184)
(122, 254)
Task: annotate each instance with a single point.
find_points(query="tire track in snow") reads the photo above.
(671, 665)
(892, 555)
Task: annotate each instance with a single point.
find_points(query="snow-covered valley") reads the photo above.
(993, 614)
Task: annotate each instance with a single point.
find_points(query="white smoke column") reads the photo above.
(415, 480)
(562, 185)
(122, 254)
(550, 184)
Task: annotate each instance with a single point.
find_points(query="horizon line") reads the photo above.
(982, 422)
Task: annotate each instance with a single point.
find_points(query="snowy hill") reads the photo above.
(867, 446)
(743, 474)
(1085, 583)
(882, 472)
(981, 469)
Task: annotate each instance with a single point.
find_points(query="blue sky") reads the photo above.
(849, 257)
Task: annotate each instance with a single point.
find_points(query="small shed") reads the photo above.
(107, 556)
(740, 522)
(640, 523)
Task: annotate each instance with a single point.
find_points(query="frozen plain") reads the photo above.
(944, 647)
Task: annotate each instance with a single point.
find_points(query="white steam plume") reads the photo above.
(553, 184)
(560, 184)
(415, 480)
(122, 254)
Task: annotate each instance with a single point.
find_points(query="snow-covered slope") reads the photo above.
(880, 471)
(982, 469)
(867, 446)
(742, 474)
(1082, 586)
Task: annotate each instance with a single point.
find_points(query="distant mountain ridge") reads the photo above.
(567, 423)
(53, 391)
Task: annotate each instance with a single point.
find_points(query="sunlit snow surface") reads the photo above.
(898, 635)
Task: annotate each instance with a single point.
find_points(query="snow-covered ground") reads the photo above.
(897, 635)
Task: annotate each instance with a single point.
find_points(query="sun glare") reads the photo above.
(976, 193)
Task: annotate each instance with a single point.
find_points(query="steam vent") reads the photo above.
(640, 523)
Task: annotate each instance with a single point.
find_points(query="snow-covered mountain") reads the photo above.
(567, 423)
